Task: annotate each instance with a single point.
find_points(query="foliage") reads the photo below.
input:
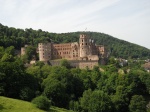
(81, 90)
(96, 101)
(118, 48)
(42, 102)
(14, 81)
(65, 63)
(137, 104)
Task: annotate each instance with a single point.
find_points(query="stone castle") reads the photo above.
(83, 54)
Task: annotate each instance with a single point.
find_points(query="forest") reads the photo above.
(10, 36)
(105, 88)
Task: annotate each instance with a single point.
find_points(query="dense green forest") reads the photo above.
(79, 90)
(105, 88)
(117, 48)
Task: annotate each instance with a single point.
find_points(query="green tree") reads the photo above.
(137, 104)
(85, 100)
(65, 63)
(96, 101)
(120, 100)
(55, 91)
(42, 102)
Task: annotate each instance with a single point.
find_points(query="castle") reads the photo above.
(83, 54)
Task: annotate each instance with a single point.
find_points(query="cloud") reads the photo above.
(125, 19)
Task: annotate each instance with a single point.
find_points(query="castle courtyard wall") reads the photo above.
(82, 64)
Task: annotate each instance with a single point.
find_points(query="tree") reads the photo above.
(2, 83)
(42, 102)
(100, 102)
(120, 100)
(65, 63)
(85, 100)
(55, 91)
(96, 101)
(137, 104)
(30, 53)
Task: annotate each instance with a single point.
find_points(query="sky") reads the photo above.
(124, 19)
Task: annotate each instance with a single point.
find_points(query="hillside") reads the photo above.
(115, 89)
(118, 48)
(14, 105)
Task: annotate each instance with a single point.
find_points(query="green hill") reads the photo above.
(10, 36)
(15, 105)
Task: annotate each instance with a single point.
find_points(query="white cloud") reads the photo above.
(128, 20)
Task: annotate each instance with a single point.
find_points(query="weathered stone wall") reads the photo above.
(23, 50)
(60, 51)
(84, 46)
(45, 51)
(77, 63)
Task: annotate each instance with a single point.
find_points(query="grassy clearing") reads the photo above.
(15, 105)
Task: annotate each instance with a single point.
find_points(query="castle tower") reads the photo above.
(84, 46)
(44, 51)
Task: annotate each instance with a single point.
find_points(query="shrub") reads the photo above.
(42, 102)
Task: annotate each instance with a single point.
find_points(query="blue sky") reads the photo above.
(124, 19)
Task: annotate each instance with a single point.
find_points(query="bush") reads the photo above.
(42, 102)
(26, 94)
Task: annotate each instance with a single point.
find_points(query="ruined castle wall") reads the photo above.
(75, 51)
(82, 64)
(23, 51)
(60, 51)
(93, 57)
(88, 64)
(102, 51)
(83, 54)
(44, 51)
(94, 50)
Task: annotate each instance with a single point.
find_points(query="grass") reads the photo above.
(15, 105)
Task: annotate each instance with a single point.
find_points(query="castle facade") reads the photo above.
(84, 53)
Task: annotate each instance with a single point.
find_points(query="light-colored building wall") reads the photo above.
(88, 64)
(75, 51)
(61, 51)
(23, 50)
(44, 51)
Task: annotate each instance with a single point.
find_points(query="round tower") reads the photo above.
(44, 51)
(84, 46)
